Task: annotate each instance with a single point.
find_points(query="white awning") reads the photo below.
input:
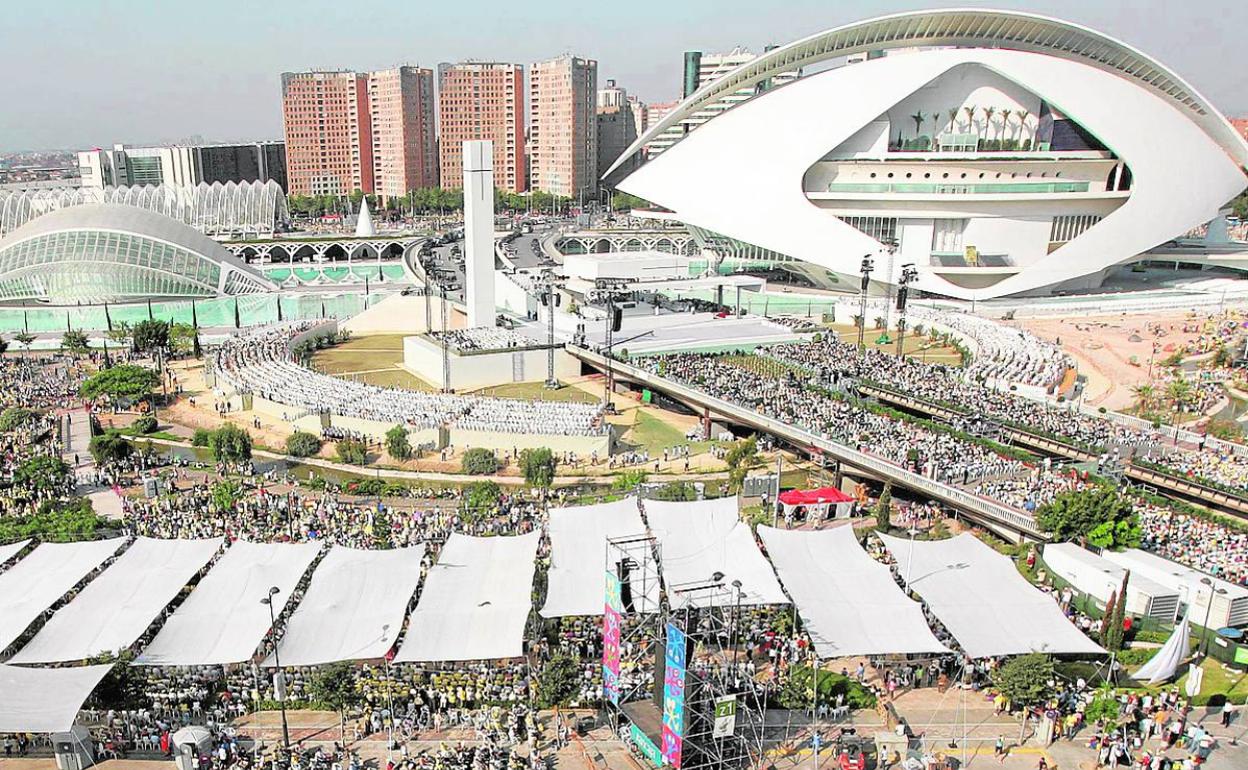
(117, 607)
(576, 582)
(354, 606)
(223, 621)
(36, 582)
(12, 549)
(983, 601)
(44, 700)
(701, 538)
(475, 602)
(849, 602)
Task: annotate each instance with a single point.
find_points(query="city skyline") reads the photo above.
(225, 84)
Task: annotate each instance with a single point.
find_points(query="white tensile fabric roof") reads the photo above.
(117, 607)
(577, 582)
(12, 549)
(982, 600)
(354, 606)
(848, 601)
(701, 538)
(475, 602)
(223, 621)
(44, 700)
(36, 582)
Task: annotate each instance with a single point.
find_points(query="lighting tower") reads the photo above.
(607, 291)
(908, 276)
(867, 266)
(549, 284)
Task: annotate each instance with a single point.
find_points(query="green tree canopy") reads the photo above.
(109, 446)
(124, 381)
(677, 492)
(43, 473)
(1099, 515)
(72, 521)
(230, 443)
(397, 443)
(558, 681)
(742, 457)
(1025, 680)
(149, 336)
(75, 341)
(479, 461)
(15, 417)
(481, 499)
(303, 444)
(352, 451)
(225, 495)
(538, 466)
(334, 686)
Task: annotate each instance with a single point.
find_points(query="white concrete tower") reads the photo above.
(479, 232)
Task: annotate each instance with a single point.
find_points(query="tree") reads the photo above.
(230, 443)
(1099, 515)
(225, 495)
(75, 341)
(182, 338)
(629, 481)
(742, 457)
(1025, 680)
(398, 444)
(1112, 634)
(302, 444)
(150, 336)
(918, 119)
(53, 522)
(15, 417)
(352, 451)
(884, 508)
(42, 473)
(109, 446)
(334, 686)
(124, 381)
(144, 425)
(677, 492)
(122, 687)
(24, 339)
(481, 499)
(558, 681)
(4, 346)
(1107, 621)
(479, 461)
(539, 467)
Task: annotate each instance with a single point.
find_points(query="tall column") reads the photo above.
(479, 232)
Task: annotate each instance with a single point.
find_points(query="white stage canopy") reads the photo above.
(354, 606)
(36, 582)
(849, 602)
(577, 581)
(983, 601)
(118, 606)
(44, 700)
(223, 621)
(12, 549)
(475, 602)
(701, 538)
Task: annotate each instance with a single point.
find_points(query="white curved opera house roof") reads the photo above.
(998, 152)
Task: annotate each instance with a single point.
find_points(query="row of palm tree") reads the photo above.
(971, 112)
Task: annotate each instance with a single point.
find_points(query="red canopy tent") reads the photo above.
(818, 501)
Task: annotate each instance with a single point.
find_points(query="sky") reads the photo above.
(88, 73)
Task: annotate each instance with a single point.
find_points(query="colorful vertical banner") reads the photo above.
(645, 746)
(612, 618)
(674, 695)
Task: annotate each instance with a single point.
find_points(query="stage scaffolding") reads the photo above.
(710, 615)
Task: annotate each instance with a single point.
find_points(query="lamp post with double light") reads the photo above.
(279, 690)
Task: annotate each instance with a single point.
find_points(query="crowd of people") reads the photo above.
(260, 361)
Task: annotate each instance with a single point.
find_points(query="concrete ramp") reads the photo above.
(399, 314)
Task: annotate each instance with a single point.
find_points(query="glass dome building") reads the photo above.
(97, 253)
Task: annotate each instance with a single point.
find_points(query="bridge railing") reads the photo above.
(1014, 519)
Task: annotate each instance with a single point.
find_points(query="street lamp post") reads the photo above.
(867, 266)
(1204, 642)
(281, 701)
(908, 275)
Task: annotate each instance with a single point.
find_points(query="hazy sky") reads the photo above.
(83, 73)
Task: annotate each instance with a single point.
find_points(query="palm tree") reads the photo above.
(989, 111)
(1022, 122)
(1005, 119)
(918, 119)
(953, 120)
(1180, 392)
(970, 111)
(1144, 394)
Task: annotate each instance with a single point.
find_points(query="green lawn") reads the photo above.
(915, 347)
(1218, 680)
(360, 354)
(537, 391)
(393, 378)
(653, 435)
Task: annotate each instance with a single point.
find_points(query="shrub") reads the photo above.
(479, 462)
(15, 417)
(230, 443)
(352, 451)
(538, 467)
(144, 425)
(397, 443)
(109, 446)
(797, 692)
(201, 437)
(302, 444)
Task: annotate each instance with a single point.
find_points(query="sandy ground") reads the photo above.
(1104, 349)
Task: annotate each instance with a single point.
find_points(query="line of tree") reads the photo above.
(426, 200)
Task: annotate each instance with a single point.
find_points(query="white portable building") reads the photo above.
(1099, 577)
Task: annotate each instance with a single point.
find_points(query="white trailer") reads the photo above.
(1195, 588)
(1098, 577)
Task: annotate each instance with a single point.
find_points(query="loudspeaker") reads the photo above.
(617, 319)
(622, 569)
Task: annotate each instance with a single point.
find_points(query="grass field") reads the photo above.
(372, 359)
(915, 346)
(653, 435)
(537, 391)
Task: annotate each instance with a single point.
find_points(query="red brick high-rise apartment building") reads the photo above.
(328, 133)
(482, 100)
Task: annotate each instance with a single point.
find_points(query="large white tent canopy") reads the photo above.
(577, 582)
(475, 602)
(12, 549)
(354, 606)
(44, 700)
(981, 599)
(223, 621)
(701, 538)
(116, 608)
(848, 601)
(36, 582)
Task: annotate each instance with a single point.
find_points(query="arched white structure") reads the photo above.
(821, 169)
